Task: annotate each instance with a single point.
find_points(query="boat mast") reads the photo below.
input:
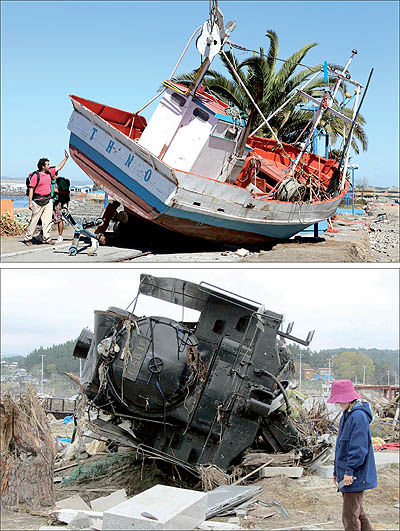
(356, 110)
(326, 103)
(210, 42)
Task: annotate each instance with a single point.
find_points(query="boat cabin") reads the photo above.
(192, 134)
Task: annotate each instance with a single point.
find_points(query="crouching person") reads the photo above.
(40, 202)
(354, 468)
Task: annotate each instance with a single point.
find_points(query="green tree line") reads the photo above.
(58, 358)
(348, 363)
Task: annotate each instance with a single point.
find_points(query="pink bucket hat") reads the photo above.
(343, 391)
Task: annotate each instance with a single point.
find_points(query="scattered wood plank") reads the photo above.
(251, 473)
(258, 458)
(66, 467)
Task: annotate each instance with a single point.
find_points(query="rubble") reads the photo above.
(65, 516)
(10, 227)
(383, 233)
(27, 452)
(74, 502)
(386, 424)
(289, 471)
(242, 252)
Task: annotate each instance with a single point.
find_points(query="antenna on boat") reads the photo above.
(326, 105)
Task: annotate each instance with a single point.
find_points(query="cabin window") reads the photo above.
(201, 115)
(218, 326)
(178, 99)
(242, 323)
(231, 133)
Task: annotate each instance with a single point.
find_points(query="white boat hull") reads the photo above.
(183, 202)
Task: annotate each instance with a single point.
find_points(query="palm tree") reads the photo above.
(270, 88)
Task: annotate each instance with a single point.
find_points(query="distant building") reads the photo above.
(84, 189)
(323, 373)
(308, 374)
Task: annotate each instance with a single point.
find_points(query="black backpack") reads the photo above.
(28, 181)
(63, 185)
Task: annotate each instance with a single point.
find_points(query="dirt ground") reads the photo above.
(314, 500)
(309, 500)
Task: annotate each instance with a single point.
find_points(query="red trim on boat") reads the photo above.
(131, 125)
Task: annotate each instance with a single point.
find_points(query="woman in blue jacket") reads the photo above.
(354, 469)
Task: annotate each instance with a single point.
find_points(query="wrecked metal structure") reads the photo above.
(193, 393)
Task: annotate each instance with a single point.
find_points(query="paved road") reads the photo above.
(348, 245)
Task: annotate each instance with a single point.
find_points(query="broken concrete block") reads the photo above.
(67, 515)
(161, 507)
(74, 502)
(290, 471)
(218, 526)
(106, 502)
(80, 522)
(242, 252)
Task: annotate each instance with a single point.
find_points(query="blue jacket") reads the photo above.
(354, 453)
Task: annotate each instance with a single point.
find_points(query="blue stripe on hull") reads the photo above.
(267, 230)
(117, 173)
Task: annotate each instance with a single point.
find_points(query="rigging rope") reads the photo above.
(243, 49)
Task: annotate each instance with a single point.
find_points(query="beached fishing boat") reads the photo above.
(194, 169)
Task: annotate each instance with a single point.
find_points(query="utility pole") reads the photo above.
(300, 371)
(41, 382)
(388, 373)
(352, 167)
(364, 376)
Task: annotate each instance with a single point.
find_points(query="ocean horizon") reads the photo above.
(20, 201)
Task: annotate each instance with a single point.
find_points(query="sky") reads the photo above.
(346, 307)
(118, 53)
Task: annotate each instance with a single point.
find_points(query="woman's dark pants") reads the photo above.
(353, 515)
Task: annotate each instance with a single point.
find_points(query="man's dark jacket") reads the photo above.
(354, 453)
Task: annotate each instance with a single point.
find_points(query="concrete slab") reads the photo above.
(384, 458)
(74, 502)
(289, 471)
(106, 502)
(59, 253)
(161, 507)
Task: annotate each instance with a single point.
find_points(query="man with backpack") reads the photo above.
(39, 193)
(61, 199)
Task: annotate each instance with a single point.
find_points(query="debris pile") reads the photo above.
(316, 421)
(391, 409)
(386, 424)
(27, 452)
(10, 227)
(384, 233)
